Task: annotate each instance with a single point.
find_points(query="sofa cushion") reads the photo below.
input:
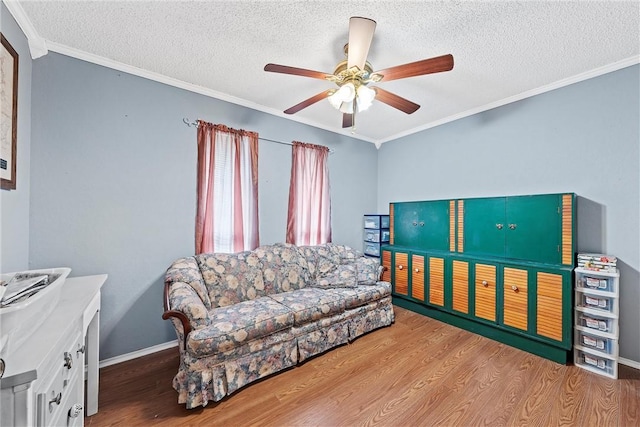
(361, 295)
(234, 325)
(310, 304)
(344, 254)
(284, 267)
(369, 270)
(231, 278)
(341, 276)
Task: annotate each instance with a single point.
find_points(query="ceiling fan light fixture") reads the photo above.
(346, 107)
(366, 96)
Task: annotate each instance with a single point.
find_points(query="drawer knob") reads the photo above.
(80, 350)
(414, 223)
(485, 283)
(499, 226)
(68, 360)
(75, 410)
(421, 223)
(400, 267)
(512, 226)
(417, 270)
(514, 288)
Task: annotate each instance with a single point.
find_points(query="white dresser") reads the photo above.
(43, 383)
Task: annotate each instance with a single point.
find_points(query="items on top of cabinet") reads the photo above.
(597, 262)
(596, 314)
(376, 233)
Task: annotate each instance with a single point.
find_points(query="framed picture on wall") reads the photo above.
(9, 114)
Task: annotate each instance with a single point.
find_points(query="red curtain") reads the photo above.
(227, 189)
(309, 213)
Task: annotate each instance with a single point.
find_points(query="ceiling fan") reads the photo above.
(353, 76)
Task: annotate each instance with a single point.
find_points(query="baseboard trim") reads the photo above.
(629, 362)
(138, 353)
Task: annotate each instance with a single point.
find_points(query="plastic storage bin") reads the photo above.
(596, 322)
(376, 235)
(376, 221)
(596, 363)
(372, 249)
(605, 284)
(595, 342)
(596, 302)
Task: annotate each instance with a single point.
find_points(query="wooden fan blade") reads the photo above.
(308, 102)
(418, 68)
(347, 120)
(360, 36)
(395, 101)
(284, 69)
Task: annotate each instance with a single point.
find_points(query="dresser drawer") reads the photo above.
(61, 386)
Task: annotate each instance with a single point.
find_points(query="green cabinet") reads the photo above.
(528, 228)
(498, 266)
(423, 225)
(483, 221)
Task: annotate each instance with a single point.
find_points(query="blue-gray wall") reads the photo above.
(113, 185)
(14, 204)
(582, 138)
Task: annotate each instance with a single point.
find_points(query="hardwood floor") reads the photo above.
(418, 372)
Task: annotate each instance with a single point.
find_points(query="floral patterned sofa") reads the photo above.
(240, 317)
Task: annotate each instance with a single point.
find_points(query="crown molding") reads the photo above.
(528, 94)
(37, 45)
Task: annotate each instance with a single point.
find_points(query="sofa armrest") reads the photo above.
(182, 302)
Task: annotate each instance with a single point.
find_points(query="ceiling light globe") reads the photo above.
(347, 92)
(347, 107)
(334, 100)
(365, 97)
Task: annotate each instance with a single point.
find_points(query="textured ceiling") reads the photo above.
(503, 51)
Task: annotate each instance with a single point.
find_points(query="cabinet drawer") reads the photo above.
(588, 282)
(597, 322)
(372, 248)
(376, 236)
(61, 385)
(595, 362)
(595, 342)
(376, 221)
(595, 302)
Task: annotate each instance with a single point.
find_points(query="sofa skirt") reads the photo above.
(202, 380)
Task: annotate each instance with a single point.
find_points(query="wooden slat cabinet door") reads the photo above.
(553, 306)
(386, 265)
(401, 273)
(485, 284)
(436, 280)
(460, 286)
(417, 277)
(515, 299)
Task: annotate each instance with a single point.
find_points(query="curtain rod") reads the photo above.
(194, 123)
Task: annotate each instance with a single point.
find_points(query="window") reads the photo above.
(227, 194)
(309, 214)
